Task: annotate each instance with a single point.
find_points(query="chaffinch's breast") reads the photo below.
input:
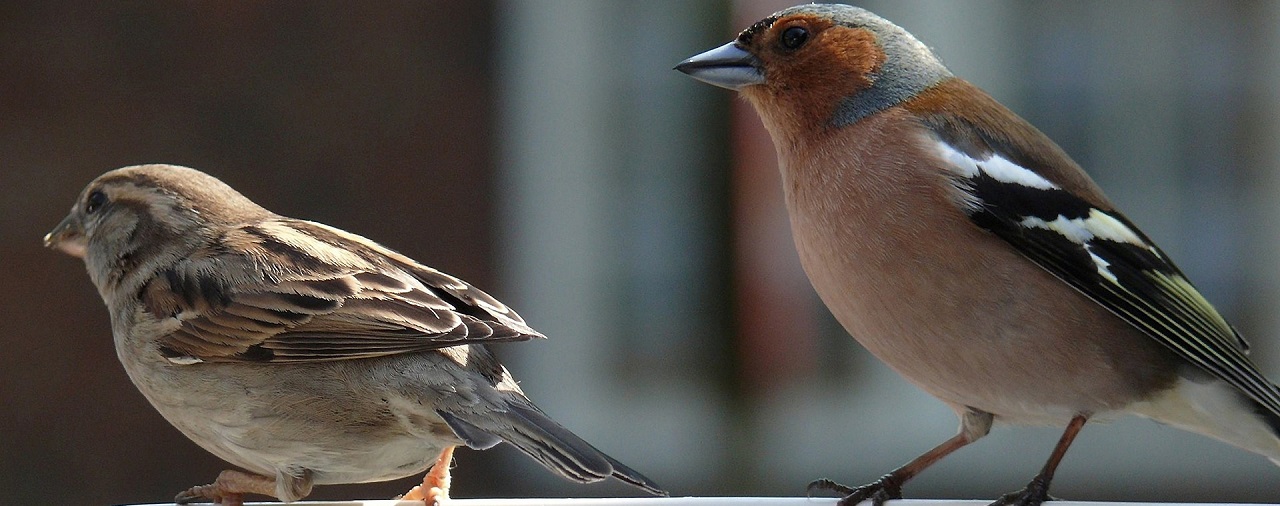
(950, 306)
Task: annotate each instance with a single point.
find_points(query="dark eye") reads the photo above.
(794, 37)
(94, 201)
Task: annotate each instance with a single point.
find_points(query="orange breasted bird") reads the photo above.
(967, 251)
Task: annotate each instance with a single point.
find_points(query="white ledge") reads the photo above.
(696, 501)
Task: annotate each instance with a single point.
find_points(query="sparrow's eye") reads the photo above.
(794, 37)
(94, 201)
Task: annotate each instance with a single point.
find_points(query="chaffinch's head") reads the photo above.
(814, 66)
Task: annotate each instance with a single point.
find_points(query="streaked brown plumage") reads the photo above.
(299, 352)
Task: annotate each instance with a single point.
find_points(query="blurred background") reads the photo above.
(546, 152)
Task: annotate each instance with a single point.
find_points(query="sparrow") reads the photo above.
(303, 354)
(963, 248)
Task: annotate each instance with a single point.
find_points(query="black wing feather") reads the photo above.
(1135, 281)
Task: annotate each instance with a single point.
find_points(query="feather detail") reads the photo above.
(1102, 255)
(531, 431)
(295, 291)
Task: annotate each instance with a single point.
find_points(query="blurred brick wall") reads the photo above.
(371, 117)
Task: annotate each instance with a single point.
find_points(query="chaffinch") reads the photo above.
(967, 251)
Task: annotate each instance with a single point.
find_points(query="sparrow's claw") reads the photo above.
(434, 489)
(208, 493)
(229, 489)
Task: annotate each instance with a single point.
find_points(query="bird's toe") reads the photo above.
(884, 489)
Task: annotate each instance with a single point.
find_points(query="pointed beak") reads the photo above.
(728, 66)
(67, 237)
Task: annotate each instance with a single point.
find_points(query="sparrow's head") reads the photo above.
(137, 215)
(816, 66)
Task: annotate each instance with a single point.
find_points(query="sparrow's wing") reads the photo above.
(296, 291)
(1099, 253)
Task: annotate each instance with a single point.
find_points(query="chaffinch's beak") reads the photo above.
(67, 237)
(728, 66)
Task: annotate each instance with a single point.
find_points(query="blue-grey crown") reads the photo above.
(909, 68)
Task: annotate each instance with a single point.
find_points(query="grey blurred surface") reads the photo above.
(546, 152)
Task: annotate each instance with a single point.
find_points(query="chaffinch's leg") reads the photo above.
(1037, 491)
(973, 425)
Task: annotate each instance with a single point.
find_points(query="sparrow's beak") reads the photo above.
(67, 237)
(728, 66)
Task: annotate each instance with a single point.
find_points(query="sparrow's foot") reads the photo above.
(228, 489)
(433, 496)
(884, 489)
(434, 489)
(1034, 494)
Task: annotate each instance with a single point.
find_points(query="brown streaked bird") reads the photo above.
(967, 251)
(301, 353)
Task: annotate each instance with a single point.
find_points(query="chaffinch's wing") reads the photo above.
(1012, 181)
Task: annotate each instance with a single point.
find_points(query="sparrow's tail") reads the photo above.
(552, 445)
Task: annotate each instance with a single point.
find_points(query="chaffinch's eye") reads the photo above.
(94, 201)
(794, 37)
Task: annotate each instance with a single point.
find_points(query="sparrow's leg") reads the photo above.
(973, 425)
(434, 489)
(229, 489)
(1037, 491)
